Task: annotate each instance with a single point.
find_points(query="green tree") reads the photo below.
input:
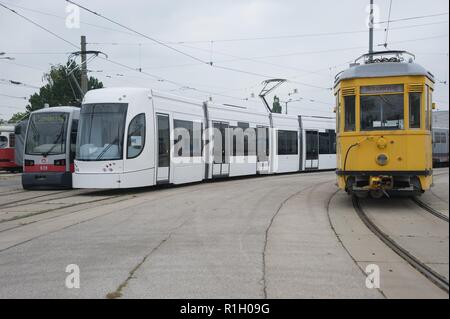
(276, 106)
(17, 117)
(61, 88)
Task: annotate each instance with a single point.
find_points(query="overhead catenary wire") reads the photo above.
(37, 25)
(159, 78)
(290, 36)
(17, 83)
(274, 37)
(187, 54)
(177, 50)
(203, 61)
(419, 39)
(64, 18)
(14, 97)
(137, 32)
(414, 18)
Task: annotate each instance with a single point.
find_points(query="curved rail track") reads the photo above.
(425, 270)
(429, 209)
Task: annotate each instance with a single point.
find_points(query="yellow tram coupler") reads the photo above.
(381, 182)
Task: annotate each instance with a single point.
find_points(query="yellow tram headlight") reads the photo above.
(382, 159)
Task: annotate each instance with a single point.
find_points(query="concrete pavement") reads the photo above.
(246, 238)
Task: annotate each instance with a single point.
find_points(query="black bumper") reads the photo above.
(47, 180)
(389, 173)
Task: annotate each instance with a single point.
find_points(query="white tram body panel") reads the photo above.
(182, 168)
(286, 156)
(322, 129)
(133, 137)
(238, 160)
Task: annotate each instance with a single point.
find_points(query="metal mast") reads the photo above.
(371, 22)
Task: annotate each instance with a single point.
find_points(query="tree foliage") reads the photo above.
(62, 88)
(17, 117)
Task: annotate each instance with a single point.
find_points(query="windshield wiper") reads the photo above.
(107, 148)
(56, 140)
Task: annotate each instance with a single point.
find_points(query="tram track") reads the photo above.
(12, 203)
(430, 209)
(12, 192)
(436, 278)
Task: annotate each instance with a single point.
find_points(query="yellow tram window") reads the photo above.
(430, 109)
(382, 112)
(338, 113)
(427, 108)
(414, 110)
(350, 113)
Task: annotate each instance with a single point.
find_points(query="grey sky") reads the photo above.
(312, 60)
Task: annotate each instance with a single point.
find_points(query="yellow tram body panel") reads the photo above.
(384, 154)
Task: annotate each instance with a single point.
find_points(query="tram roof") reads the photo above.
(57, 109)
(376, 70)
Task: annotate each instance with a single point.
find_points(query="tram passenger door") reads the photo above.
(312, 150)
(163, 138)
(221, 162)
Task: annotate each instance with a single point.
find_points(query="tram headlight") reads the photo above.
(382, 159)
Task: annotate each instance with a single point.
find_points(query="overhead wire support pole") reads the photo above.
(84, 79)
(371, 23)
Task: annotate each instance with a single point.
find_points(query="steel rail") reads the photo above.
(429, 273)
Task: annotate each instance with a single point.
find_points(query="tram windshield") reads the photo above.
(101, 132)
(382, 112)
(47, 133)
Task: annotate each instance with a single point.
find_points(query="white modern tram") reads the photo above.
(133, 137)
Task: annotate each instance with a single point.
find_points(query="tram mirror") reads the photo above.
(334, 109)
(434, 106)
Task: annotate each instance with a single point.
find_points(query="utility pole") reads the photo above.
(371, 22)
(84, 79)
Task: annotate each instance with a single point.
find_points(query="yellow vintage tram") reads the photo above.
(383, 108)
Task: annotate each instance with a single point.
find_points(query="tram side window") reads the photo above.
(188, 138)
(338, 112)
(437, 138)
(332, 142)
(136, 136)
(244, 140)
(12, 140)
(427, 108)
(3, 142)
(287, 143)
(327, 142)
(262, 144)
(350, 113)
(198, 139)
(430, 109)
(184, 138)
(324, 143)
(414, 110)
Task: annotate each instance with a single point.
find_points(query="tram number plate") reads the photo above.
(44, 168)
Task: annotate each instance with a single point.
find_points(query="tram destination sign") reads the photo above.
(382, 89)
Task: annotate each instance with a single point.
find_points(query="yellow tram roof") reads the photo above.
(383, 69)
